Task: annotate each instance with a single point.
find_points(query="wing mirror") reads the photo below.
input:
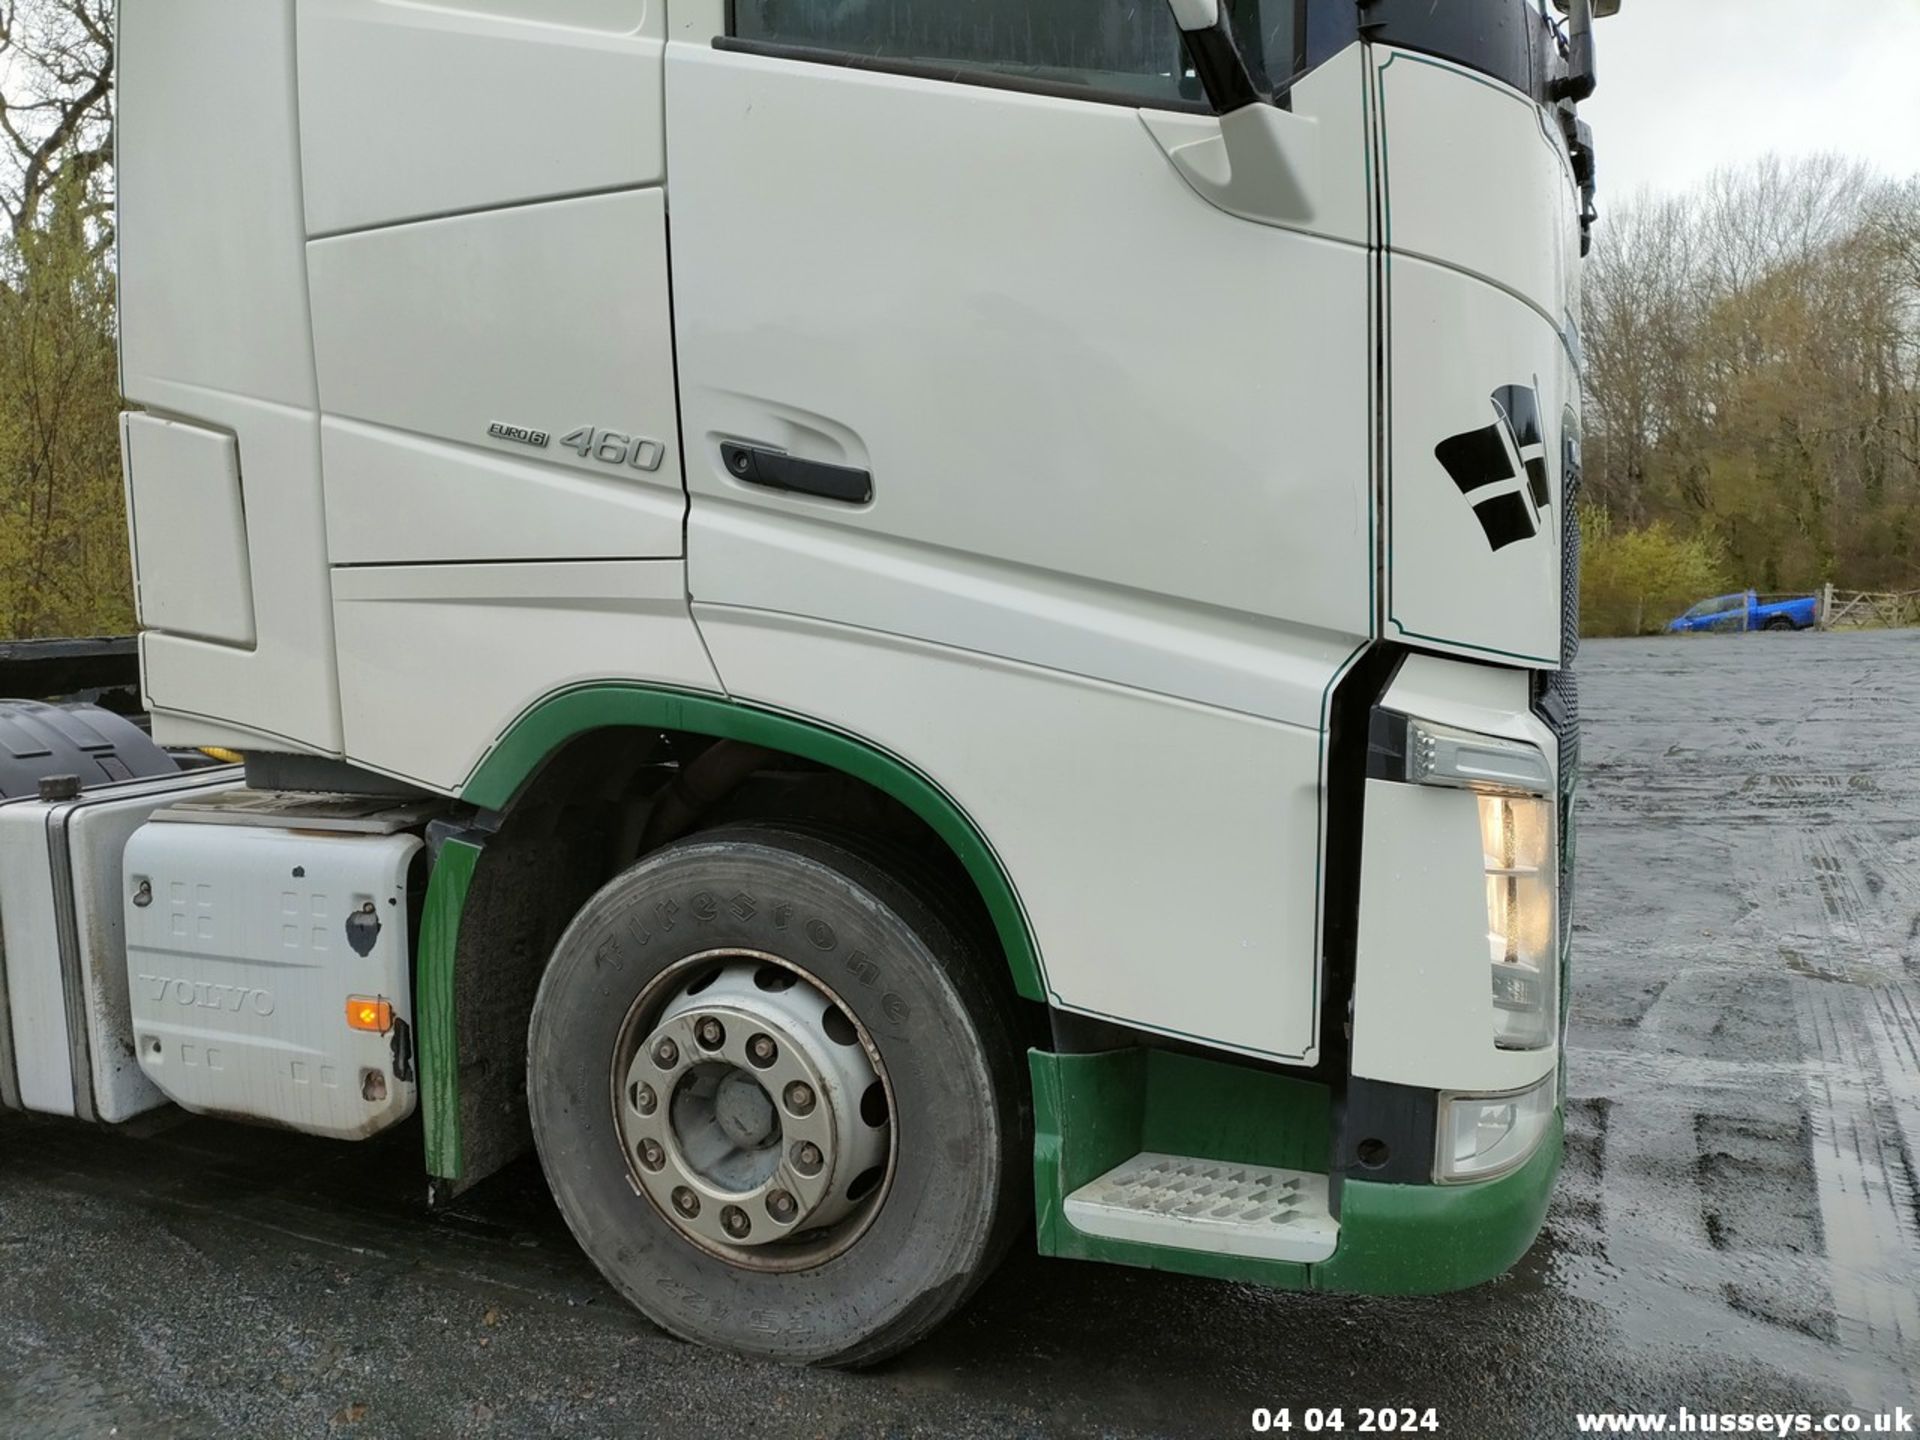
(1217, 60)
(1264, 164)
(1579, 81)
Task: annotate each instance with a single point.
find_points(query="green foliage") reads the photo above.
(63, 536)
(1634, 580)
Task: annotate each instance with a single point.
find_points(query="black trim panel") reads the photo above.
(1349, 718)
(777, 470)
(269, 770)
(1222, 69)
(1507, 39)
(1388, 1132)
(1387, 745)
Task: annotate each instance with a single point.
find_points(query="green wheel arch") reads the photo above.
(550, 724)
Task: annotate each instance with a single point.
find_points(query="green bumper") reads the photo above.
(1424, 1239)
(1091, 1112)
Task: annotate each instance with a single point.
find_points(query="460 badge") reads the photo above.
(589, 442)
(1367, 1420)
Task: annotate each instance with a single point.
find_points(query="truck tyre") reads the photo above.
(779, 1098)
(1780, 622)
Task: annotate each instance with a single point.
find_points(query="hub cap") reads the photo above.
(754, 1112)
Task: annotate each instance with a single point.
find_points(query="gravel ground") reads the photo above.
(1738, 1226)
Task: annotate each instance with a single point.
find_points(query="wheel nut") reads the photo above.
(666, 1054)
(800, 1098)
(807, 1158)
(686, 1202)
(734, 1220)
(651, 1155)
(780, 1205)
(710, 1034)
(761, 1050)
(644, 1100)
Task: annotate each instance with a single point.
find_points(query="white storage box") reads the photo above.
(245, 945)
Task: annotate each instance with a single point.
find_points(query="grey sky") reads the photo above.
(1688, 85)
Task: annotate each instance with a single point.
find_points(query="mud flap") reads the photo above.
(496, 907)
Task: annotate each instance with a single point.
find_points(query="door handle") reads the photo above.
(777, 470)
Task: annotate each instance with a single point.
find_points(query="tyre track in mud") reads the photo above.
(1770, 789)
(1853, 1016)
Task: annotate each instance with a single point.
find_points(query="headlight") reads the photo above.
(1482, 1136)
(1516, 834)
(1519, 854)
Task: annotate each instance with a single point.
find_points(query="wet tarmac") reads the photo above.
(1737, 1228)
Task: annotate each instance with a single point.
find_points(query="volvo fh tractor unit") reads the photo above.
(883, 627)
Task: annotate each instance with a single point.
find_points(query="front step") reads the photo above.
(1253, 1211)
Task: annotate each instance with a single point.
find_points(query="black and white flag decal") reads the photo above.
(1502, 469)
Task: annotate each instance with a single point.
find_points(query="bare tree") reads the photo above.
(63, 563)
(1754, 352)
(56, 104)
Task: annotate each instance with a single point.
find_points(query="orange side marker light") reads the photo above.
(368, 1012)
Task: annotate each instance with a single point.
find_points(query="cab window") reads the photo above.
(1127, 51)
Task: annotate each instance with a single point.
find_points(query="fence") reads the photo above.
(1868, 609)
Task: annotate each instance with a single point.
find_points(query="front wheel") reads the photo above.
(776, 1096)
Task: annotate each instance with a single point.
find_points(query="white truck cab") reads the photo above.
(868, 622)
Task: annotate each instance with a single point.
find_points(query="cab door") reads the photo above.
(1012, 452)
(936, 263)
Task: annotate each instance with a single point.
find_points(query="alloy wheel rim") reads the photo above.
(753, 1110)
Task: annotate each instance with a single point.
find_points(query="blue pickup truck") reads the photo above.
(1745, 611)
